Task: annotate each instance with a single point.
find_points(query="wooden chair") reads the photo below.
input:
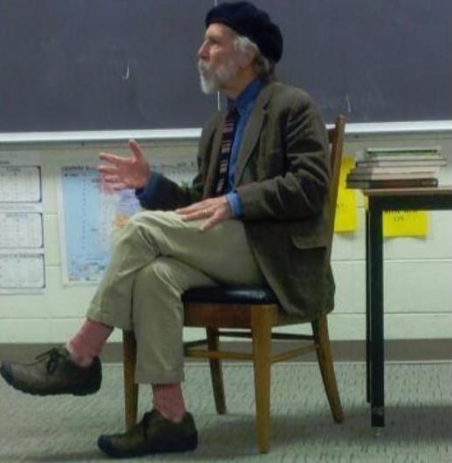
(257, 310)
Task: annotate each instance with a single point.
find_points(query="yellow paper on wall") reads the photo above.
(405, 223)
(346, 219)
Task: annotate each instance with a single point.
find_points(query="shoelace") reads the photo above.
(54, 356)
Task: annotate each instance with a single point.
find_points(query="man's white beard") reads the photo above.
(212, 80)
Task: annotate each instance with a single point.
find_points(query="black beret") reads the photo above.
(247, 20)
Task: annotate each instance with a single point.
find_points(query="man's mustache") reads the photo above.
(203, 67)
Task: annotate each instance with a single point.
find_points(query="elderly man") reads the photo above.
(263, 174)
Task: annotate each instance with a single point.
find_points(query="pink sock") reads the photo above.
(88, 342)
(169, 401)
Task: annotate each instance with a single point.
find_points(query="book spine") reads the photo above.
(359, 170)
(406, 150)
(403, 157)
(402, 163)
(404, 183)
(357, 175)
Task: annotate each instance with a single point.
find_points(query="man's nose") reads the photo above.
(203, 51)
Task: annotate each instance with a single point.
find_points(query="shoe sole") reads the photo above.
(8, 377)
(105, 446)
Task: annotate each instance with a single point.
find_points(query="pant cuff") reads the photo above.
(97, 315)
(143, 376)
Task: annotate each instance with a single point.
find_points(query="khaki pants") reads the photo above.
(157, 257)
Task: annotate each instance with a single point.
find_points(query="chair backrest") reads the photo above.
(336, 140)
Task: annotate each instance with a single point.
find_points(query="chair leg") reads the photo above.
(261, 330)
(216, 372)
(325, 359)
(130, 388)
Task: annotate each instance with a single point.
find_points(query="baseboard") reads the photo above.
(412, 350)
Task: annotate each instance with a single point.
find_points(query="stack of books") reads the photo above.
(397, 168)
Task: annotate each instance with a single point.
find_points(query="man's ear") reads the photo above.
(247, 58)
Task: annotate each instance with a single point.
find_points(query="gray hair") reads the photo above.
(266, 68)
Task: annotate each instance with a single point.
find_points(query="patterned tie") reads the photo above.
(225, 151)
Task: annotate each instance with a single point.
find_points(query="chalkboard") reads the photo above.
(101, 65)
(131, 64)
(372, 60)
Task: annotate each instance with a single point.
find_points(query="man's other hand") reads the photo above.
(212, 211)
(119, 172)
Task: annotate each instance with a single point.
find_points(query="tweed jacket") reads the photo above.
(282, 179)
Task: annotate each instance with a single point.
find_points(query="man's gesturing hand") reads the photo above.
(120, 172)
(212, 211)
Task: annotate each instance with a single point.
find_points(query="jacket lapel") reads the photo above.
(215, 157)
(252, 131)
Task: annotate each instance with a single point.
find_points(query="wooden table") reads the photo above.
(379, 201)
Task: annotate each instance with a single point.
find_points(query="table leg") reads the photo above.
(368, 314)
(377, 314)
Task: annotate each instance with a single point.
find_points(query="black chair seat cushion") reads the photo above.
(230, 295)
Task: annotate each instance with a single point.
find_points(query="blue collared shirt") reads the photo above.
(244, 104)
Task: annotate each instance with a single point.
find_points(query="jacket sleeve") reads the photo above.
(295, 166)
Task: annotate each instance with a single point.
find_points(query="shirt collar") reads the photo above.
(248, 97)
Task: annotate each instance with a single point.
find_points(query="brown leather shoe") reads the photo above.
(53, 373)
(154, 434)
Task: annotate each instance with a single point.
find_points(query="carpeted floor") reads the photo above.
(418, 416)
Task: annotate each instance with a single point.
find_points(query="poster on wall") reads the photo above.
(91, 216)
(22, 259)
